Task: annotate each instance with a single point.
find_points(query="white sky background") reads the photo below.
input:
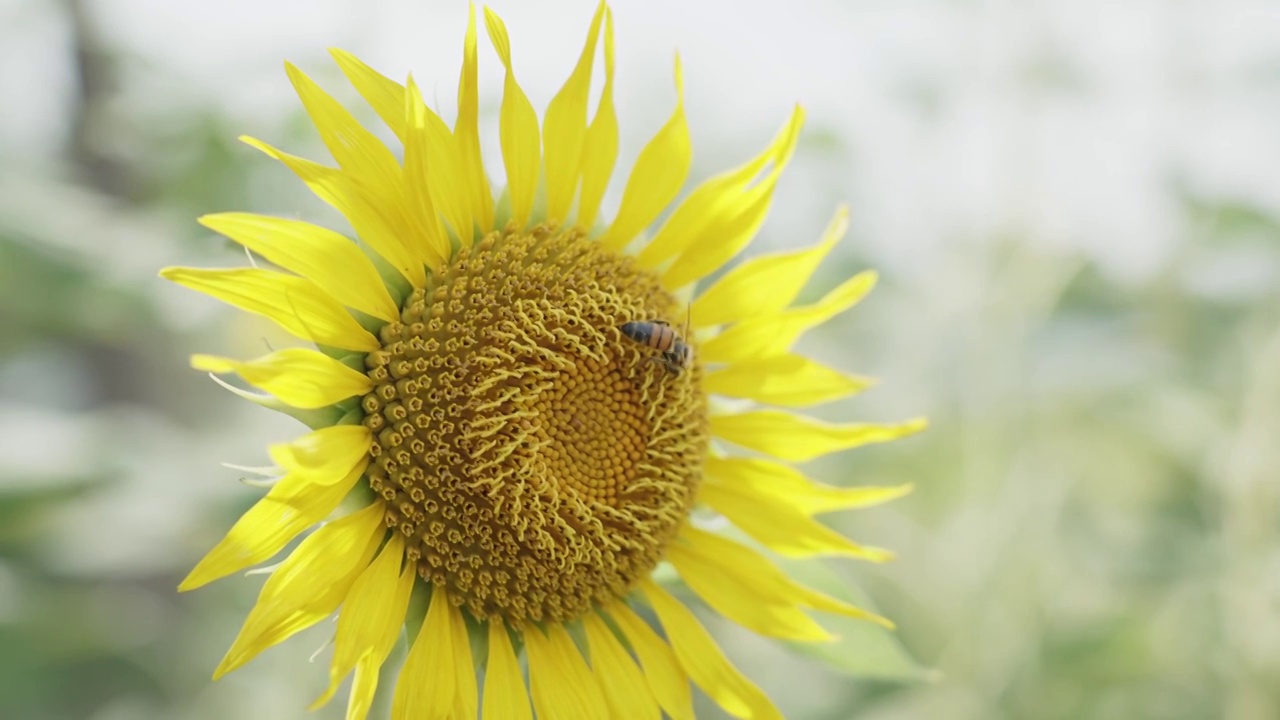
(1067, 122)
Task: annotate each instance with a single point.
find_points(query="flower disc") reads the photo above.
(535, 459)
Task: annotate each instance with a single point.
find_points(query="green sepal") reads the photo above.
(477, 634)
(368, 322)
(336, 353)
(350, 415)
(419, 603)
(397, 285)
(665, 575)
(502, 210)
(353, 360)
(537, 213)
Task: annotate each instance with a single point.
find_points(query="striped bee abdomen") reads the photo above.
(659, 336)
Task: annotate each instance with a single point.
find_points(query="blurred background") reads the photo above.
(1075, 209)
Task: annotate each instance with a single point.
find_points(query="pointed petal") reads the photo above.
(318, 418)
(299, 377)
(562, 685)
(600, 148)
(443, 166)
(322, 456)
(368, 164)
(736, 295)
(467, 132)
(734, 222)
(326, 258)
(744, 600)
(625, 689)
(505, 697)
(565, 126)
(704, 661)
(666, 678)
(364, 686)
(467, 701)
(293, 504)
(656, 178)
(294, 303)
(775, 334)
(722, 214)
(785, 485)
(433, 239)
(780, 526)
(379, 226)
(795, 438)
(518, 129)
(438, 679)
(359, 152)
(309, 585)
(384, 95)
(787, 380)
(370, 622)
(720, 564)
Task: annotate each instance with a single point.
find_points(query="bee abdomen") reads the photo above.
(649, 334)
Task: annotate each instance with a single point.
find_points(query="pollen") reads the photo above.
(535, 459)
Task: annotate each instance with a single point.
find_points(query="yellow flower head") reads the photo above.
(519, 409)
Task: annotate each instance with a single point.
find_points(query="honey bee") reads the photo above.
(676, 356)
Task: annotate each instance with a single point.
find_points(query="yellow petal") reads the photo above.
(625, 689)
(467, 698)
(722, 214)
(656, 178)
(721, 564)
(297, 376)
(775, 334)
(443, 168)
(294, 303)
(795, 438)
(780, 526)
(736, 295)
(704, 661)
(784, 485)
(384, 95)
(294, 503)
(743, 599)
(326, 258)
(368, 164)
(666, 678)
(309, 585)
(562, 686)
(600, 148)
(364, 685)
(323, 456)
(517, 128)
(359, 152)
(432, 237)
(787, 380)
(369, 624)
(505, 697)
(565, 128)
(467, 132)
(438, 679)
(380, 224)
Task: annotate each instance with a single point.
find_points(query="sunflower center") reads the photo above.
(536, 459)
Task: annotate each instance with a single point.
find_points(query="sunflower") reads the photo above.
(513, 414)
